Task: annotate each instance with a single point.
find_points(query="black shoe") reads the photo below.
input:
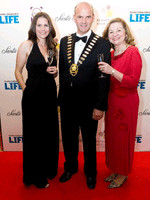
(66, 176)
(91, 182)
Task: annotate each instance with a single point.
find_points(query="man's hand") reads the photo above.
(97, 114)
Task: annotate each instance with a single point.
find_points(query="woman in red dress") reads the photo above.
(123, 101)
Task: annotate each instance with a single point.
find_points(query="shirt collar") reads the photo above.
(86, 34)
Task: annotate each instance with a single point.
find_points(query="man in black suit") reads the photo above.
(83, 94)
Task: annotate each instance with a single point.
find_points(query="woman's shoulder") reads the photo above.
(25, 46)
(133, 52)
(132, 49)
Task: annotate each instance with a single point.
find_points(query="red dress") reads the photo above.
(122, 114)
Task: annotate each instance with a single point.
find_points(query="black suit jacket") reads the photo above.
(86, 85)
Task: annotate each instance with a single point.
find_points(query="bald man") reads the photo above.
(82, 94)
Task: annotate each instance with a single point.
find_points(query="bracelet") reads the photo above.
(112, 73)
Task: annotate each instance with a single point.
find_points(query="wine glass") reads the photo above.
(50, 58)
(100, 58)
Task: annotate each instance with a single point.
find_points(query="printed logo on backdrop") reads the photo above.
(14, 113)
(64, 17)
(144, 113)
(107, 12)
(11, 85)
(15, 139)
(146, 50)
(9, 18)
(138, 142)
(9, 49)
(139, 16)
(138, 139)
(141, 85)
(34, 11)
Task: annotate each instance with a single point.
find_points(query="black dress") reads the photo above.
(40, 122)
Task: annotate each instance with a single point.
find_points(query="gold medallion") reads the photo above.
(74, 69)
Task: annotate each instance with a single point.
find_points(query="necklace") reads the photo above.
(121, 50)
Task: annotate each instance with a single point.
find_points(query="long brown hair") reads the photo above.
(51, 44)
(128, 38)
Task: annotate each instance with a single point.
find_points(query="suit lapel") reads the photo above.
(85, 48)
(85, 53)
(88, 48)
(73, 46)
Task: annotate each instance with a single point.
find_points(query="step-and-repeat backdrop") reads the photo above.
(15, 19)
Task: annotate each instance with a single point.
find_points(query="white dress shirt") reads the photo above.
(79, 46)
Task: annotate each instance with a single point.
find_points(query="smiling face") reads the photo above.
(83, 18)
(116, 34)
(42, 28)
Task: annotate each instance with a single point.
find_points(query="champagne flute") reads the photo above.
(50, 58)
(100, 58)
(52, 62)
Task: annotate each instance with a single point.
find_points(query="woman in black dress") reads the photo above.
(39, 102)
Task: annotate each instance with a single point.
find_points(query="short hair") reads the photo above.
(83, 3)
(129, 37)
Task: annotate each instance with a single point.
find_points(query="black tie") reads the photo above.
(81, 38)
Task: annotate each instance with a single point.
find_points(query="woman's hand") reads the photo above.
(105, 68)
(52, 70)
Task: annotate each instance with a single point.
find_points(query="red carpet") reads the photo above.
(136, 187)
